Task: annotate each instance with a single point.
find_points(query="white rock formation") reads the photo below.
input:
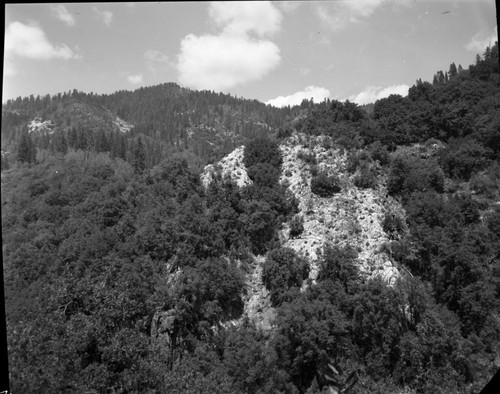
(232, 166)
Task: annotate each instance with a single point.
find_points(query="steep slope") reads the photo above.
(351, 217)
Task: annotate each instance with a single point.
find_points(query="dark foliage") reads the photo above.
(101, 235)
(283, 270)
(325, 185)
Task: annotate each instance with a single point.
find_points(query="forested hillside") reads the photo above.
(167, 118)
(124, 272)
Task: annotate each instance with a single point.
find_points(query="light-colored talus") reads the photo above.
(231, 166)
(353, 216)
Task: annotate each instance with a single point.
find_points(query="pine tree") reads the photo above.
(24, 149)
(453, 70)
(440, 77)
(60, 144)
(72, 137)
(82, 139)
(139, 160)
(101, 142)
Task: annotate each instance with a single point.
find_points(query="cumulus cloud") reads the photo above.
(221, 62)
(374, 93)
(336, 15)
(317, 94)
(31, 42)
(480, 41)
(135, 79)
(105, 16)
(238, 18)
(240, 53)
(62, 13)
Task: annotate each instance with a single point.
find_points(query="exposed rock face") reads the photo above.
(123, 125)
(38, 125)
(352, 216)
(232, 166)
(258, 301)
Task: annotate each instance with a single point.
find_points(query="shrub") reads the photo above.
(463, 157)
(337, 264)
(393, 224)
(262, 150)
(367, 178)
(283, 270)
(264, 174)
(309, 158)
(296, 226)
(380, 153)
(409, 175)
(324, 185)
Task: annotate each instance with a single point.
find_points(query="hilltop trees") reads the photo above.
(123, 273)
(26, 151)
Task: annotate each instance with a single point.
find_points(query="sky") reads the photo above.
(276, 52)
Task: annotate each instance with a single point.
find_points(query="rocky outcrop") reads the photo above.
(352, 216)
(37, 125)
(231, 166)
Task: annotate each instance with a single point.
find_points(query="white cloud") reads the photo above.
(233, 57)
(157, 61)
(374, 93)
(480, 41)
(336, 15)
(318, 94)
(105, 16)
(9, 69)
(31, 42)
(62, 13)
(221, 62)
(236, 18)
(135, 79)
(289, 6)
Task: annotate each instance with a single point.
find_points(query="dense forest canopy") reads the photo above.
(123, 273)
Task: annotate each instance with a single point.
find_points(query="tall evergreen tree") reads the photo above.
(453, 70)
(72, 137)
(24, 154)
(82, 142)
(139, 160)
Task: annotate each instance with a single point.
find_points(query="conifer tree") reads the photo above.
(72, 137)
(453, 70)
(61, 144)
(139, 159)
(24, 149)
(82, 139)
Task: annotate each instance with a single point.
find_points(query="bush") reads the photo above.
(309, 158)
(283, 270)
(337, 264)
(463, 157)
(262, 150)
(325, 186)
(380, 153)
(264, 174)
(296, 226)
(393, 224)
(409, 175)
(366, 179)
